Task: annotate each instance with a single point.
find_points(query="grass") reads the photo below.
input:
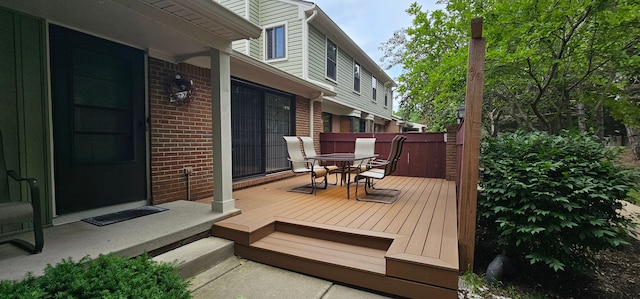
(475, 284)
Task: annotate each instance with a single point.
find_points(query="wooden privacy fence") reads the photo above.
(423, 154)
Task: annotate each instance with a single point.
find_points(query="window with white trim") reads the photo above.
(275, 42)
(374, 84)
(356, 77)
(332, 59)
(386, 96)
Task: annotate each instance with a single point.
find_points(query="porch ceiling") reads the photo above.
(166, 28)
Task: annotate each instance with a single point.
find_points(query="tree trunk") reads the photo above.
(634, 141)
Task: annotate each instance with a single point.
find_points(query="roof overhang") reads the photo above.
(166, 29)
(248, 68)
(323, 22)
(333, 106)
(256, 71)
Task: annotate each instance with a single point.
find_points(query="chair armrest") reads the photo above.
(377, 163)
(35, 195)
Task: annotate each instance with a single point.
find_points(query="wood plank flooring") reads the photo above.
(408, 248)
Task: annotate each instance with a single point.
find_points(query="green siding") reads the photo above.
(23, 118)
(276, 12)
(238, 7)
(255, 45)
(317, 55)
(268, 12)
(254, 11)
(344, 83)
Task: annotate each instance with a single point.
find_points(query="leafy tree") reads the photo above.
(551, 65)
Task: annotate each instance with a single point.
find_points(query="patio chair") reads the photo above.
(366, 146)
(16, 213)
(299, 164)
(378, 169)
(310, 151)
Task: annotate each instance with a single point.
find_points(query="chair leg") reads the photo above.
(307, 189)
(379, 194)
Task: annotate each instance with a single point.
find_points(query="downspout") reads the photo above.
(305, 43)
(305, 52)
(311, 112)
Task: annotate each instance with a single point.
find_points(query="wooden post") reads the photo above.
(471, 148)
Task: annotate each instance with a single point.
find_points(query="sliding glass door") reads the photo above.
(260, 117)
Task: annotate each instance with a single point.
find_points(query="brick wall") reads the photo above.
(452, 152)
(180, 136)
(302, 116)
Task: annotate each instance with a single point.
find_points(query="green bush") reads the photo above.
(553, 199)
(108, 276)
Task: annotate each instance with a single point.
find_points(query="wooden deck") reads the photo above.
(409, 248)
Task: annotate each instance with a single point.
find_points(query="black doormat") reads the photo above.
(123, 215)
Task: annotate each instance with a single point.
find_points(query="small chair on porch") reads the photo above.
(16, 213)
(378, 169)
(310, 151)
(299, 164)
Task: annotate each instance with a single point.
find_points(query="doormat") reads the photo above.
(123, 215)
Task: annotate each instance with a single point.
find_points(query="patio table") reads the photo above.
(344, 159)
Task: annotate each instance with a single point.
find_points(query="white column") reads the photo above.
(221, 117)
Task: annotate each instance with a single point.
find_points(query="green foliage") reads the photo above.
(108, 276)
(634, 196)
(553, 199)
(550, 65)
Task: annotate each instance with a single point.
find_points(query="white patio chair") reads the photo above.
(310, 151)
(300, 165)
(364, 146)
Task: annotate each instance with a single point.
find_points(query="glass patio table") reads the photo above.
(344, 160)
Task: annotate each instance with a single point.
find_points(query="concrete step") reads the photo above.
(196, 257)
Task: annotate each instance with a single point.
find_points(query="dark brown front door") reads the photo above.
(98, 121)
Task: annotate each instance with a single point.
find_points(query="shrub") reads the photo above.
(553, 199)
(108, 276)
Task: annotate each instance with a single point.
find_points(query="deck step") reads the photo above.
(198, 256)
(329, 252)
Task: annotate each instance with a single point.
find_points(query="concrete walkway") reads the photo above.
(129, 238)
(632, 211)
(239, 278)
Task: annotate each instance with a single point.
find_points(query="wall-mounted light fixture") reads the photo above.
(460, 112)
(181, 90)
